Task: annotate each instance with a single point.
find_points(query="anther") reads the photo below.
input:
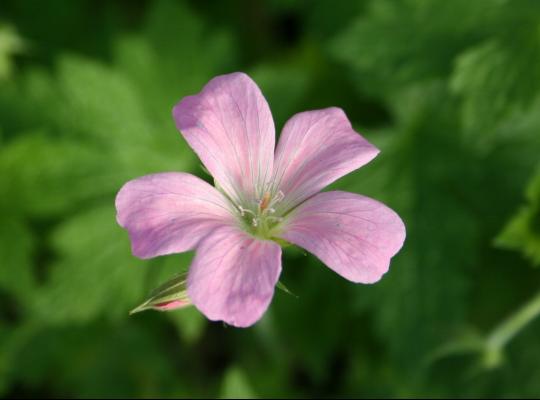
(265, 201)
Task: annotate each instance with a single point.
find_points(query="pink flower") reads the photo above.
(261, 197)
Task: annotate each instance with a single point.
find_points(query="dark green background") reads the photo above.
(449, 91)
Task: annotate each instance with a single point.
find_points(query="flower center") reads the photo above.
(260, 218)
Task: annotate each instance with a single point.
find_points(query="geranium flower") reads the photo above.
(263, 196)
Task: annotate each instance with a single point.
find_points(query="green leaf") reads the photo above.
(497, 78)
(16, 253)
(64, 173)
(95, 274)
(113, 359)
(522, 232)
(416, 40)
(155, 58)
(423, 184)
(283, 86)
(235, 385)
(113, 110)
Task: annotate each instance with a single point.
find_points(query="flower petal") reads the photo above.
(230, 127)
(315, 149)
(169, 212)
(353, 235)
(233, 276)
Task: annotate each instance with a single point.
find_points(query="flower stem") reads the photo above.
(508, 329)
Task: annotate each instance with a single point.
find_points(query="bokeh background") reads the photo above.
(449, 91)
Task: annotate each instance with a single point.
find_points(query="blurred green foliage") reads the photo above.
(450, 92)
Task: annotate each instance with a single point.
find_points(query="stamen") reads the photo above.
(243, 211)
(262, 214)
(277, 198)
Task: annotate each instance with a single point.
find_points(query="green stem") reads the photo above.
(509, 328)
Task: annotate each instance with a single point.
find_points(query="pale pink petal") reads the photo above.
(315, 149)
(169, 212)
(230, 127)
(353, 235)
(233, 276)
